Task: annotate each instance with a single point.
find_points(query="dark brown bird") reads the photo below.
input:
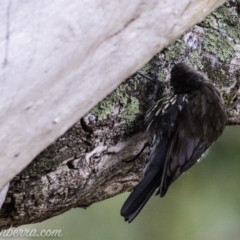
(182, 127)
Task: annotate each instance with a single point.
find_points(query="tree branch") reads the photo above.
(68, 57)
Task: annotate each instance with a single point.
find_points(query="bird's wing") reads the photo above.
(182, 154)
(165, 111)
(187, 145)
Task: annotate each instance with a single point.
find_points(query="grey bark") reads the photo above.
(104, 153)
(59, 58)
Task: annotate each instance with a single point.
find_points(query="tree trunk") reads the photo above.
(103, 154)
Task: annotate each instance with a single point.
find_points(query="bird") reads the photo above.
(181, 127)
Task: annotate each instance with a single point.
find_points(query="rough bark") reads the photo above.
(104, 153)
(60, 58)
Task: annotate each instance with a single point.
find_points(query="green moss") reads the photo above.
(146, 68)
(162, 75)
(228, 20)
(210, 21)
(131, 110)
(103, 109)
(219, 45)
(195, 59)
(225, 31)
(174, 51)
(129, 105)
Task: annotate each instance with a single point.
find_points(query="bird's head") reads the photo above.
(185, 79)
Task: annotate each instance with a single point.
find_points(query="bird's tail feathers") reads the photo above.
(140, 195)
(149, 183)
